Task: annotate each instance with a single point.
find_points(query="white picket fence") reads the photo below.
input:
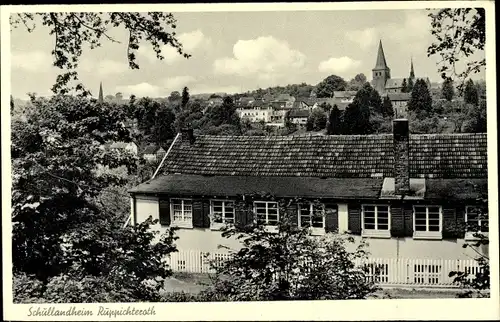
(383, 271)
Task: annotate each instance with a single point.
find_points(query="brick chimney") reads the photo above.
(401, 138)
(187, 135)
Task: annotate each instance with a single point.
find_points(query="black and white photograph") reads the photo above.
(263, 155)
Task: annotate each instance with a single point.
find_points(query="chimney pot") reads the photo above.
(401, 139)
(187, 135)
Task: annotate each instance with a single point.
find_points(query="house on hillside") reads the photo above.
(299, 117)
(410, 196)
(400, 103)
(255, 113)
(130, 147)
(153, 153)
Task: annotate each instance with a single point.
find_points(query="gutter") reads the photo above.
(166, 154)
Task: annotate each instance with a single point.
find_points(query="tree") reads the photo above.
(317, 120)
(155, 120)
(447, 89)
(357, 82)
(289, 264)
(459, 33)
(404, 86)
(12, 106)
(119, 96)
(289, 125)
(475, 119)
(73, 31)
(410, 85)
(63, 232)
(387, 109)
(420, 100)
(330, 84)
(185, 97)
(470, 93)
(334, 121)
(174, 96)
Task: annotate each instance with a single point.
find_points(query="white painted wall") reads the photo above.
(207, 240)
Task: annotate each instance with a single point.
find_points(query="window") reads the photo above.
(427, 221)
(376, 220)
(476, 220)
(312, 215)
(182, 212)
(267, 212)
(222, 212)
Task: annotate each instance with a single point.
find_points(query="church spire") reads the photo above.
(412, 72)
(101, 98)
(381, 62)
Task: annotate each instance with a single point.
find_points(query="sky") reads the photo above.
(239, 51)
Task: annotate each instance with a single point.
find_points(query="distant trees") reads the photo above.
(404, 86)
(357, 82)
(155, 120)
(185, 97)
(317, 120)
(470, 93)
(334, 121)
(330, 84)
(421, 100)
(410, 85)
(447, 89)
(387, 109)
(174, 96)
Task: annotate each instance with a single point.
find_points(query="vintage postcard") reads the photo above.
(271, 161)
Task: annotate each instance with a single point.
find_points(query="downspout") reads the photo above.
(164, 157)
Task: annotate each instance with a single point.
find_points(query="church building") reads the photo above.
(381, 76)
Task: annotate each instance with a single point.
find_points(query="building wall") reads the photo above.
(208, 240)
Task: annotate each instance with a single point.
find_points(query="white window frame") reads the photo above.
(218, 225)
(271, 228)
(378, 233)
(469, 235)
(314, 230)
(428, 234)
(181, 223)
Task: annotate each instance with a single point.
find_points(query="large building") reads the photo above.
(409, 195)
(381, 76)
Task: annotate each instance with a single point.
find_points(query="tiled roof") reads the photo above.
(299, 113)
(195, 185)
(344, 94)
(399, 96)
(335, 156)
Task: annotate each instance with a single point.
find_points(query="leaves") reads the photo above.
(459, 33)
(73, 31)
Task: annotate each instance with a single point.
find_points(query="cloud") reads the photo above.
(104, 67)
(141, 90)
(411, 30)
(191, 42)
(340, 65)
(176, 83)
(364, 38)
(34, 61)
(265, 57)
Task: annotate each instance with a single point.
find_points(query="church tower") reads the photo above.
(101, 98)
(381, 73)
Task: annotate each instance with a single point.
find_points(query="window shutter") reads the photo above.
(449, 222)
(460, 220)
(354, 221)
(332, 218)
(293, 213)
(408, 220)
(242, 216)
(397, 221)
(206, 213)
(198, 221)
(164, 211)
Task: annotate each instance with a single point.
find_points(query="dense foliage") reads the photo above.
(66, 229)
(289, 264)
(330, 84)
